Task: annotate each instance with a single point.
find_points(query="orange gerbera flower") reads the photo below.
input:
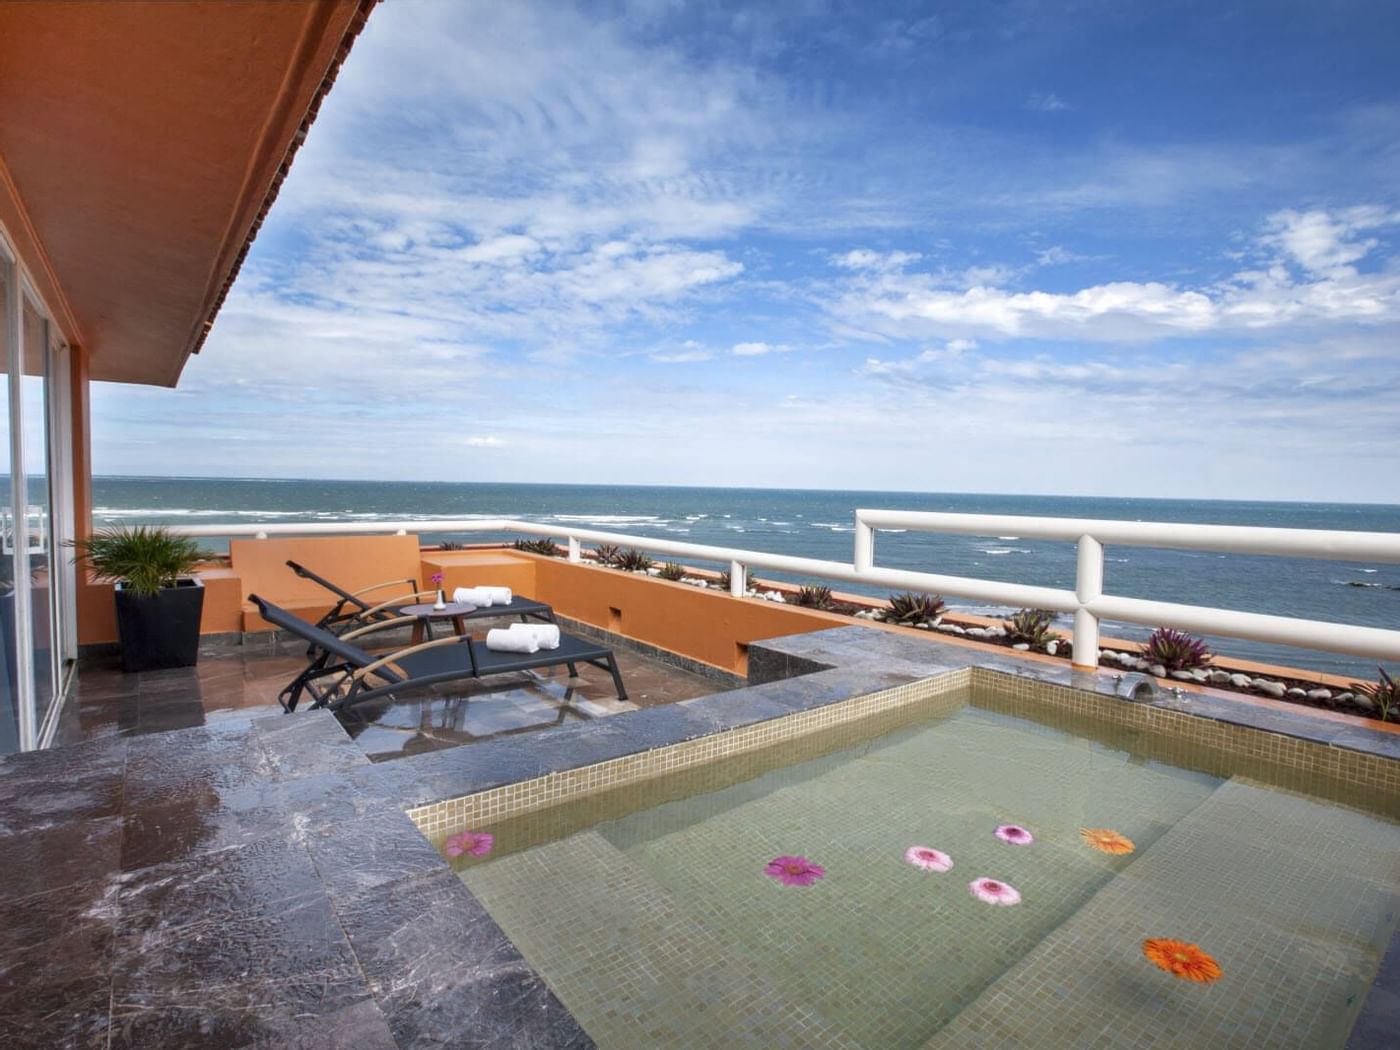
(1181, 959)
(1106, 841)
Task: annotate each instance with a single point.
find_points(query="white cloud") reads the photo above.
(1046, 102)
(1324, 242)
(866, 259)
(758, 349)
(484, 441)
(681, 357)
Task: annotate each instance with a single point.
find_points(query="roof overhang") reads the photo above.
(141, 145)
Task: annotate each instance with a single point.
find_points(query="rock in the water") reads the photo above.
(1319, 694)
(1022, 647)
(1241, 681)
(1274, 689)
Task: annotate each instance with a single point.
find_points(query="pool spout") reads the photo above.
(1136, 687)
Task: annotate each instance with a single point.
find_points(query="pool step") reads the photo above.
(661, 979)
(1312, 890)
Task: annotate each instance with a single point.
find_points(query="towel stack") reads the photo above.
(523, 638)
(482, 597)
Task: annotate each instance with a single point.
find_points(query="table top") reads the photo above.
(428, 611)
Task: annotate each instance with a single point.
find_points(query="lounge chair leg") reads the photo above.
(573, 670)
(617, 677)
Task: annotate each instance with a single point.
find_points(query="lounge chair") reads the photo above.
(352, 610)
(341, 673)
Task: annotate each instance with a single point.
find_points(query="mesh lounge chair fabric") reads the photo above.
(351, 609)
(342, 673)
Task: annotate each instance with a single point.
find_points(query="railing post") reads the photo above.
(864, 546)
(575, 550)
(1088, 585)
(260, 535)
(738, 579)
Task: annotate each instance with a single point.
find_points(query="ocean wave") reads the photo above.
(1365, 570)
(189, 512)
(1358, 583)
(1008, 537)
(608, 519)
(1003, 550)
(834, 526)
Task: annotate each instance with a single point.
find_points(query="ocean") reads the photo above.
(820, 524)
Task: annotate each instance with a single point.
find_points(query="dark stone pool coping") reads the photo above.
(257, 882)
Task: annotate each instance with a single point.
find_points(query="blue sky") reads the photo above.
(1080, 248)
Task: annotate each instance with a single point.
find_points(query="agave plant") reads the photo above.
(815, 597)
(672, 571)
(912, 607)
(1176, 650)
(146, 558)
(633, 560)
(451, 545)
(1384, 692)
(606, 553)
(1030, 627)
(545, 547)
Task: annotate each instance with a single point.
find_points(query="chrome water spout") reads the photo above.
(1136, 686)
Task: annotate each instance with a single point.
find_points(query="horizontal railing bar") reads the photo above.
(1330, 544)
(1370, 642)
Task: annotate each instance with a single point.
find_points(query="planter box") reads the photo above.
(160, 631)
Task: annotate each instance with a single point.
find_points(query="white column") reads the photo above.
(1088, 585)
(864, 546)
(738, 579)
(575, 550)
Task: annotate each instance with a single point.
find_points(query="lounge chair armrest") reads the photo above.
(379, 625)
(402, 599)
(390, 660)
(410, 584)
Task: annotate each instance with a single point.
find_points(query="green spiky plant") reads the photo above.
(145, 558)
(633, 560)
(541, 546)
(1176, 650)
(815, 597)
(750, 578)
(672, 571)
(912, 607)
(1384, 692)
(1030, 627)
(451, 545)
(606, 553)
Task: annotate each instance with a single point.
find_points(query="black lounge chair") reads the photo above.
(341, 673)
(351, 610)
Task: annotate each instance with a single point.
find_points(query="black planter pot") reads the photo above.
(160, 631)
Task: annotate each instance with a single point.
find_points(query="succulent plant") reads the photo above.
(750, 577)
(451, 545)
(1176, 650)
(815, 597)
(545, 547)
(606, 553)
(913, 608)
(672, 571)
(633, 560)
(1030, 627)
(1384, 692)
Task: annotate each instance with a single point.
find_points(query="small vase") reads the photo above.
(441, 602)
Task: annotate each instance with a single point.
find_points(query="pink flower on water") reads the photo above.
(928, 858)
(994, 892)
(794, 871)
(477, 843)
(1015, 834)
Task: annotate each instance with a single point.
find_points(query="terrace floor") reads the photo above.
(225, 688)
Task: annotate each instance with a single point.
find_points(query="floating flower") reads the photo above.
(477, 843)
(1181, 959)
(928, 858)
(1015, 834)
(794, 871)
(1106, 841)
(993, 892)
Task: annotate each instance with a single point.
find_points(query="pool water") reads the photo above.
(649, 913)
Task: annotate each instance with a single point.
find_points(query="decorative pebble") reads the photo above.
(1022, 647)
(1157, 671)
(1319, 694)
(1241, 681)
(1295, 694)
(1274, 689)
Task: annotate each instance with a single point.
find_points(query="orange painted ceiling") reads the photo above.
(142, 143)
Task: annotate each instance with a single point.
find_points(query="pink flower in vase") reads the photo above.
(993, 892)
(477, 843)
(1015, 835)
(437, 579)
(794, 871)
(928, 858)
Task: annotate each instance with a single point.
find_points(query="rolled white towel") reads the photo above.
(545, 634)
(504, 640)
(478, 596)
(499, 595)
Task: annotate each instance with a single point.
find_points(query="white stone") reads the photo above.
(922, 626)
(1274, 689)
(996, 632)
(1157, 671)
(1022, 647)
(1241, 681)
(1319, 694)
(1183, 676)
(1345, 698)
(1051, 648)
(1364, 702)
(1295, 693)
(1220, 677)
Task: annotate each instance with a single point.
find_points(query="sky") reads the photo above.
(1086, 248)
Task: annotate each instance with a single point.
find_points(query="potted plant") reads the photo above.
(158, 602)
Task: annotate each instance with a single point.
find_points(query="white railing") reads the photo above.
(1087, 603)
